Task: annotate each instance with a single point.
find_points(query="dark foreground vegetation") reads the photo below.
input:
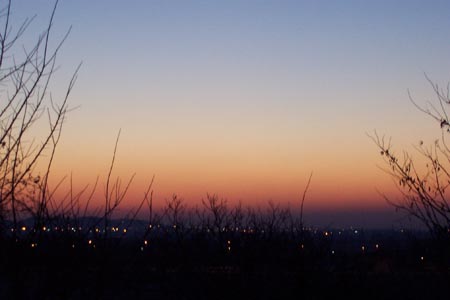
(261, 256)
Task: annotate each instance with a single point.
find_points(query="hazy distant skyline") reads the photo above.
(246, 98)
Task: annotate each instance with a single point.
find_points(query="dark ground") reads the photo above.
(310, 265)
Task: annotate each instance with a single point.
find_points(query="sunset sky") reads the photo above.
(246, 98)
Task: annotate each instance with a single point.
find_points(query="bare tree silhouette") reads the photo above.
(424, 189)
(25, 100)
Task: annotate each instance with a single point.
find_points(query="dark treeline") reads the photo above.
(213, 251)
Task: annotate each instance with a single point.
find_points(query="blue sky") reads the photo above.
(263, 91)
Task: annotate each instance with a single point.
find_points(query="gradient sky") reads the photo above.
(246, 98)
